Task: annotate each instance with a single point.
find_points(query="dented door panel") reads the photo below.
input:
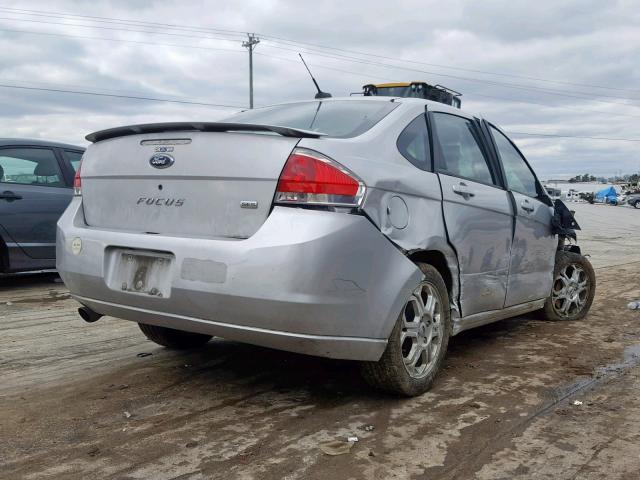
(479, 229)
(533, 252)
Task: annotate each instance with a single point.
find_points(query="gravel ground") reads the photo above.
(84, 401)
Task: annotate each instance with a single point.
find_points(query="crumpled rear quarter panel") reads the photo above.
(307, 272)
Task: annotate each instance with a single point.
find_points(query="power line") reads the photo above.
(539, 79)
(316, 65)
(278, 39)
(575, 136)
(119, 40)
(119, 29)
(75, 85)
(43, 13)
(240, 107)
(142, 42)
(334, 56)
(572, 109)
(578, 95)
(471, 94)
(130, 97)
(585, 95)
(282, 40)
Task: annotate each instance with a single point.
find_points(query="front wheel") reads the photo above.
(418, 343)
(637, 204)
(574, 286)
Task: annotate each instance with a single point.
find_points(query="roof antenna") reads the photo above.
(320, 93)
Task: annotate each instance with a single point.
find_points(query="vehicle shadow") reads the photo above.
(29, 280)
(262, 369)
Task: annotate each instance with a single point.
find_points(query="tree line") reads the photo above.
(630, 178)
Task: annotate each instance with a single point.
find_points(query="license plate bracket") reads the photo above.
(140, 272)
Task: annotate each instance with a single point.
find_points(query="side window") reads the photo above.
(520, 178)
(462, 155)
(413, 143)
(30, 166)
(73, 158)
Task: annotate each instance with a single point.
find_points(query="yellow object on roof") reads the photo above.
(397, 84)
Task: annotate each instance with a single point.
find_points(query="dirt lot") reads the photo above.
(79, 401)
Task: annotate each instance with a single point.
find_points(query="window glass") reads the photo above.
(30, 166)
(73, 158)
(336, 118)
(462, 154)
(520, 178)
(413, 143)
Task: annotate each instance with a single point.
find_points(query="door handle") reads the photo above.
(526, 206)
(10, 196)
(462, 189)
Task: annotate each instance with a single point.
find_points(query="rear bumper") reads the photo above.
(312, 282)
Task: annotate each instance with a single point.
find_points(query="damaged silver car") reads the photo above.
(369, 229)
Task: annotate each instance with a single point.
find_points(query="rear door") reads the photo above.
(477, 211)
(534, 246)
(33, 195)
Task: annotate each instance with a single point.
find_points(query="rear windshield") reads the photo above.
(336, 118)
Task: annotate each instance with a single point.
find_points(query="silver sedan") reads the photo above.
(368, 229)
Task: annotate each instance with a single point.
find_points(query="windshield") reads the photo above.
(336, 118)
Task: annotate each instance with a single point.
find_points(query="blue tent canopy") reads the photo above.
(608, 193)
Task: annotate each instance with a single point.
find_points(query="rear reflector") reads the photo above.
(310, 178)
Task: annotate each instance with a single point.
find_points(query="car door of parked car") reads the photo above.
(33, 195)
(534, 246)
(477, 211)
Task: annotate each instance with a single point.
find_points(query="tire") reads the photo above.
(390, 372)
(175, 339)
(574, 286)
(636, 204)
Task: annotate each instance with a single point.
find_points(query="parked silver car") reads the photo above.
(368, 229)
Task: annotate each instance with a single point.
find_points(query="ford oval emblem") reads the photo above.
(161, 160)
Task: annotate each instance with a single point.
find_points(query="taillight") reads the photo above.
(77, 182)
(310, 178)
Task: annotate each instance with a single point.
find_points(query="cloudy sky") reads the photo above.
(560, 68)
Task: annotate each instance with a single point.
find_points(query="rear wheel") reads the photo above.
(418, 343)
(574, 286)
(637, 204)
(177, 339)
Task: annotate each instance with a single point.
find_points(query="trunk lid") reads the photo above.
(187, 183)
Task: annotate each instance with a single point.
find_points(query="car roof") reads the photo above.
(10, 142)
(437, 106)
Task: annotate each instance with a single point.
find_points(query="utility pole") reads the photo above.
(250, 44)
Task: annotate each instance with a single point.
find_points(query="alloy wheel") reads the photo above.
(570, 290)
(421, 337)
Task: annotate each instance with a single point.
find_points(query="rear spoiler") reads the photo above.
(200, 127)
